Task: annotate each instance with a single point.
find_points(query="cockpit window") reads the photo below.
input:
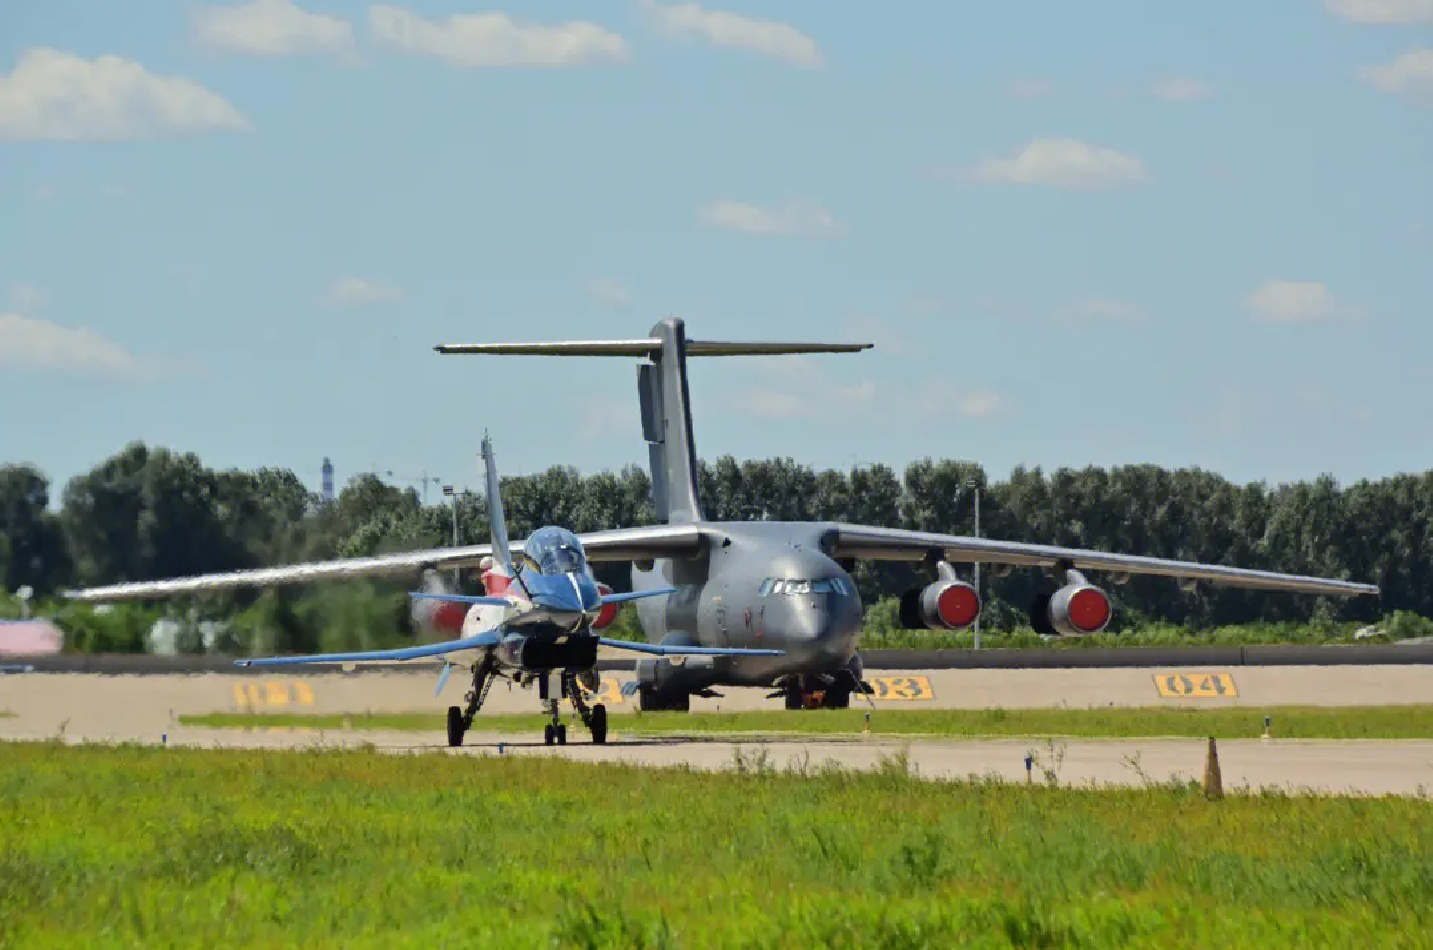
(554, 551)
(800, 586)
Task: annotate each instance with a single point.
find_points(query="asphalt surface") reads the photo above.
(100, 708)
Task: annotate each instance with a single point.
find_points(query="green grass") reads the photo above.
(120, 847)
(1289, 722)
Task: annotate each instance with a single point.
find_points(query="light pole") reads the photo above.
(453, 494)
(977, 570)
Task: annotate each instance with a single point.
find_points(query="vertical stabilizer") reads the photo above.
(667, 426)
(496, 523)
(662, 386)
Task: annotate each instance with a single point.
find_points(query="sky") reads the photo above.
(1113, 232)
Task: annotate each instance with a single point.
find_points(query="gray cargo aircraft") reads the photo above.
(765, 584)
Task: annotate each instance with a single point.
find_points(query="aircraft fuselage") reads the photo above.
(757, 584)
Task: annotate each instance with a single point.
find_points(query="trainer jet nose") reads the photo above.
(566, 597)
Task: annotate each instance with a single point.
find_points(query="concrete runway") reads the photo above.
(1365, 767)
(92, 707)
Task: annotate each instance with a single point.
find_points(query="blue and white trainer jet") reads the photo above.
(542, 616)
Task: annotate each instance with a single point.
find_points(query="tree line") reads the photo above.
(150, 512)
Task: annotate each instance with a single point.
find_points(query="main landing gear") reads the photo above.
(461, 720)
(594, 718)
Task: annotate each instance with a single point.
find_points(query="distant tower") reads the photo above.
(327, 480)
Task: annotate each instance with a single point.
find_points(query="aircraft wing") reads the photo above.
(622, 544)
(895, 544)
(657, 649)
(478, 641)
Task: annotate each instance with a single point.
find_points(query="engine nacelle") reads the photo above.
(944, 605)
(1075, 610)
(608, 613)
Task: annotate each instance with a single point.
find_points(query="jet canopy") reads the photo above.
(554, 550)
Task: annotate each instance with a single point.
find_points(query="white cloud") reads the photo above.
(609, 291)
(31, 343)
(722, 28)
(793, 387)
(1030, 88)
(1104, 308)
(1410, 73)
(801, 218)
(270, 28)
(1288, 301)
(1064, 163)
(1382, 11)
(57, 96)
(361, 292)
(940, 397)
(1181, 89)
(495, 39)
(27, 298)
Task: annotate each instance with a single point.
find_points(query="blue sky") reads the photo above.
(1097, 233)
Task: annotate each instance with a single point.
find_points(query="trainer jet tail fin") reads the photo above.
(497, 524)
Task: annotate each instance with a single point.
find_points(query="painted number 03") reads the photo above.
(898, 688)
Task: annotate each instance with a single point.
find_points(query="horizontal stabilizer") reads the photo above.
(659, 650)
(480, 641)
(462, 598)
(647, 348)
(637, 595)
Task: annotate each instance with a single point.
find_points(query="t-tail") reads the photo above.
(662, 391)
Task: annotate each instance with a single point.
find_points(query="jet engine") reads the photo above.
(608, 613)
(1078, 609)
(437, 619)
(943, 605)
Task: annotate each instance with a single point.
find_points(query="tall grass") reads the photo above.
(188, 848)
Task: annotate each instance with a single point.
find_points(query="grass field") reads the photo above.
(110, 847)
(1292, 722)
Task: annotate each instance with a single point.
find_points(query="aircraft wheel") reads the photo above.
(549, 734)
(598, 725)
(795, 699)
(561, 735)
(456, 726)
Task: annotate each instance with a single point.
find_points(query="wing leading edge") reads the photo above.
(622, 544)
(896, 544)
(480, 641)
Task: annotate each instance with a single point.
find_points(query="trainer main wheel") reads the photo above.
(599, 724)
(562, 735)
(456, 727)
(549, 735)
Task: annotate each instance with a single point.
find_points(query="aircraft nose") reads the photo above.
(825, 628)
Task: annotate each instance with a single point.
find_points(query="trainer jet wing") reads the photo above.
(622, 544)
(896, 544)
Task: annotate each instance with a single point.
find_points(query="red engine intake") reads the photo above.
(1075, 610)
(608, 613)
(443, 618)
(945, 605)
